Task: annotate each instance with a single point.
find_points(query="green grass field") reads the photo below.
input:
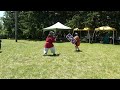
(25, 60)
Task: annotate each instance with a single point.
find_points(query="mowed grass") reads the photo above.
(25, 60)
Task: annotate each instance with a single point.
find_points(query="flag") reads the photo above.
(71, 38)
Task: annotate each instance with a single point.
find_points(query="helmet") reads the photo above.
(76, 33)
(51, 32)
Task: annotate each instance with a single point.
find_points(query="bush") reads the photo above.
(3, 34)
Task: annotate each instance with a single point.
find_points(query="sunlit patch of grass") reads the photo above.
(25, 59)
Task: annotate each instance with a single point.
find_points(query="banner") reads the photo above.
(71, 38)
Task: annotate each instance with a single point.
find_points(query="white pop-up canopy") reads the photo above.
(58, 25)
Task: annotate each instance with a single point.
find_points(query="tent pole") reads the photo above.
(93, 35)
(116, 33)
(80, 34)
(42, 34)
(73, 32)
(89, 35)
(55, 31)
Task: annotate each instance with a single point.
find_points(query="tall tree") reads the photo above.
(31, 23)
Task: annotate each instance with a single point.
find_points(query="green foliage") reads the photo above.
(3, 34)
(0, 26)
(31, 23)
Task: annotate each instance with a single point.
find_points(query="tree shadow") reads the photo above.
(22, 42)
(0, 51)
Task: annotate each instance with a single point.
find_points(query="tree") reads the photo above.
(31, 23)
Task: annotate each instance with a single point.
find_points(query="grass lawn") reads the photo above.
(25, 60)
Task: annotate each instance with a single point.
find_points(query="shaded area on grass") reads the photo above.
(52, 55)
(78, 51)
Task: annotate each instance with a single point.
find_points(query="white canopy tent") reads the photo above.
(56, 26)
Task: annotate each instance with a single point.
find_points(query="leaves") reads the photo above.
(31, 23)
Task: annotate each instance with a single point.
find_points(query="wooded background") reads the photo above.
(31, 23)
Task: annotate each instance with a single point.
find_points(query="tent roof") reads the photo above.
(85, 29)
(58, 25)
(77, 29)
(105, 28)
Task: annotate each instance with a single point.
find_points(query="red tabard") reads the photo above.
(49, 42)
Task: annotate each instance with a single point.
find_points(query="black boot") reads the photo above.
(78, 50)
(54, 54)
(45, 54)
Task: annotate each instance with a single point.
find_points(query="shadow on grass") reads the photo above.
(61, 41)
(0, 51)
(53, 55)
(35, 40)
(22, 42)
(79, 51)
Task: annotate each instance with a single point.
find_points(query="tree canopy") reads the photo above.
(31, 23)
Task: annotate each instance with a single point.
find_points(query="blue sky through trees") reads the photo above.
(1, 13)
